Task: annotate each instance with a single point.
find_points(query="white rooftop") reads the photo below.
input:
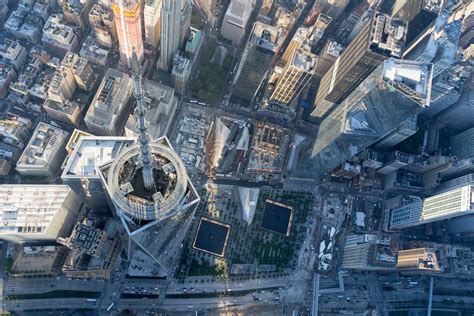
(92, 151)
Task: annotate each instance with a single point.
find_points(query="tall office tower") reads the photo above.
(255, 62)
(170, 32)
(419, 14)
(154, 216)
(463, 144)
(368, 252)
(296, 42)
(185, 22)
(37, 212)
(395, 91)
(446, 205)
(327, 56)
(235, 20)
(81, 170)
(447, 87)
(296, 74)
(151, 17)
(349, 23)
(438, 44)
(110, 107)
(460, 114)
(379, 39)
(128, 21)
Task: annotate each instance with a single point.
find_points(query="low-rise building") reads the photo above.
(14, 134)
(69, 111)
(27, 78)
(24, 24)
(44, 153)
(59, 36)
(92, 51)
(7, 75)
(13, 52)
(102, 22)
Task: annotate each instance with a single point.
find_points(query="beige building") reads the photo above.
(110, 107)
(152, 14)
(235, 20)
(44, 153)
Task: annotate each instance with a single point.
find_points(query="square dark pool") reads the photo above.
(277, 217)
(212, 236)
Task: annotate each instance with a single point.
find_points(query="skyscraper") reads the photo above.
(151, 16)
(127, 17)
(394, 92)
(255, 62)
(450, 204)
(379, 39)
(150, 192)
(185, 21)
(295, 76)
(419, 14)
(296, 42)
(170, 32)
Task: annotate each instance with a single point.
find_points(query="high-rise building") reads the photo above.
(460, 114)
(419, 14)
(150, 193)
(127, 15)
(181, 72)
(420, 259)
(295, 76)
(379, 39)
(450, 204)
(235, 20)
(37, 212)
(394, 92)
(44, 153)
(185, 22)
(151, 17)
(59, 36)
(110, 107)
(327, 57)
(170, 32)
(463, 144)
(368, 252)
(438, 44)
(296, 42)
(256, 60)
(81, 171)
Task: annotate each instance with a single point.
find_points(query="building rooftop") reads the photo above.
(111, 98)
(43, 146)
(420, 259)
(93, 151)
(266, 36)
(388, 35)
(412, 78)
(31, 208)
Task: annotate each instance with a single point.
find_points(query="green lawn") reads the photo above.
(209, 84)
